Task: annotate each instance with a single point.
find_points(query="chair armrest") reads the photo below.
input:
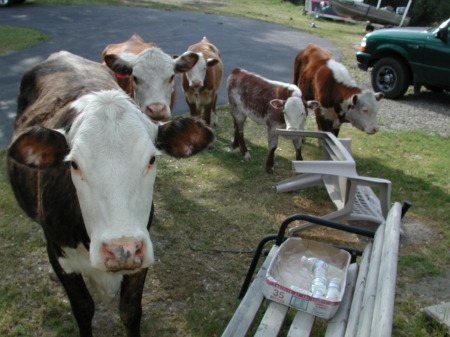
(340, 168)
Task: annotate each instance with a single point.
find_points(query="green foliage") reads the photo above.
(14, 38)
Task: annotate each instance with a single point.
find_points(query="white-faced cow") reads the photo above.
(320, 77)
(270, 103)
(82, 163)
(147, 74)
(201, 83)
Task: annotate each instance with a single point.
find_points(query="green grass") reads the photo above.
(215, 200)
(14, 38)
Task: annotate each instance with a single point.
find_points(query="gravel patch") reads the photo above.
(427, 111)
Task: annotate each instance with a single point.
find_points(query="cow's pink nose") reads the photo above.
(123, 254)
(157, 112)
(374, 130)
(196, 83)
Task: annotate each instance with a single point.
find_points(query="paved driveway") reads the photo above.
(264, 48)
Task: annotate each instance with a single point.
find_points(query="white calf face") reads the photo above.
(152, 75)
(361, 110)
(153, 80)
(294, 113)
(113, 169)
(197, 74)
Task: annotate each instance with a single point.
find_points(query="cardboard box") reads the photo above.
(288, 280)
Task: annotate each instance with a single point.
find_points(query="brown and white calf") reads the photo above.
(147, 74)
(270, 103)
(320, 77)
(201, 84)
(82, 163)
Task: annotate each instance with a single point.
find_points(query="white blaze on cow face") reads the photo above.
(113, 169)
(293, 110)
(361, 110)
(196, 75)
(153, 73)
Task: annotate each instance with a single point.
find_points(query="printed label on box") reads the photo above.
(299, 303)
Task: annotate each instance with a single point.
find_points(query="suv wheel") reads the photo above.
(391, 77)
(5, 3)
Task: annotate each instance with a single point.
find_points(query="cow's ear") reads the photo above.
(277, 103)
(39, 147)
(185, 62)
(211, 62)
(313, 105)
(184, 137)
(379, 96)
(118, 65)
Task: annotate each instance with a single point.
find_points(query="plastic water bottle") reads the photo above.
(318, 269)
(334, 289)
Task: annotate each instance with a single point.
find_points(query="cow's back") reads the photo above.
(135, 44)
(206, 48)
(306, 65)
(48, 88)
(253, 93)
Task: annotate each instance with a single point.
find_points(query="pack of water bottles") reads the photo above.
(308, 276)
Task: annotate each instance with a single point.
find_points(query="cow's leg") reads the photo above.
(273, 143)
(325, 124)
(130, 307)
(207, 113)
(194, 112)
(298, 148)
(239, 141)
(214, 117)
(319, 120)
(83, 307)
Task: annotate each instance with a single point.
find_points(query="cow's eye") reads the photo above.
(74, 165)
(152, 161)
(171, 78)
(135, 79)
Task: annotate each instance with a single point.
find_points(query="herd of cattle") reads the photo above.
(82, 161)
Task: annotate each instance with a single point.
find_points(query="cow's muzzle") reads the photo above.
(157, 112)
(123, 255)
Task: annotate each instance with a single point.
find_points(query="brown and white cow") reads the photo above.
(147, 73)
(82, 163)
(201, 83)
(320, 77)
(270, 103)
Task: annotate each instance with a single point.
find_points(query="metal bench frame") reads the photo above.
(351, 193)
(367, 306)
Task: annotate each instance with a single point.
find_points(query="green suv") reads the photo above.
(400, 57)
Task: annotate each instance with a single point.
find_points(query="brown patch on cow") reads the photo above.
(317, 82)
(184, 137)
(38, 147)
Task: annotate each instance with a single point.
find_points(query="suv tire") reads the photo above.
(390, 76)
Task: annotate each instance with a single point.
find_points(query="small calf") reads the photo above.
(271, 103)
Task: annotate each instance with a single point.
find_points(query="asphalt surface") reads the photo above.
(260, 47)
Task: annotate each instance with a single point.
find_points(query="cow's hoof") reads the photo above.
(269, 170)
(247, 156)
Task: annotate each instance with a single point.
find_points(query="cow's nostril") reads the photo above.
(123, 254)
